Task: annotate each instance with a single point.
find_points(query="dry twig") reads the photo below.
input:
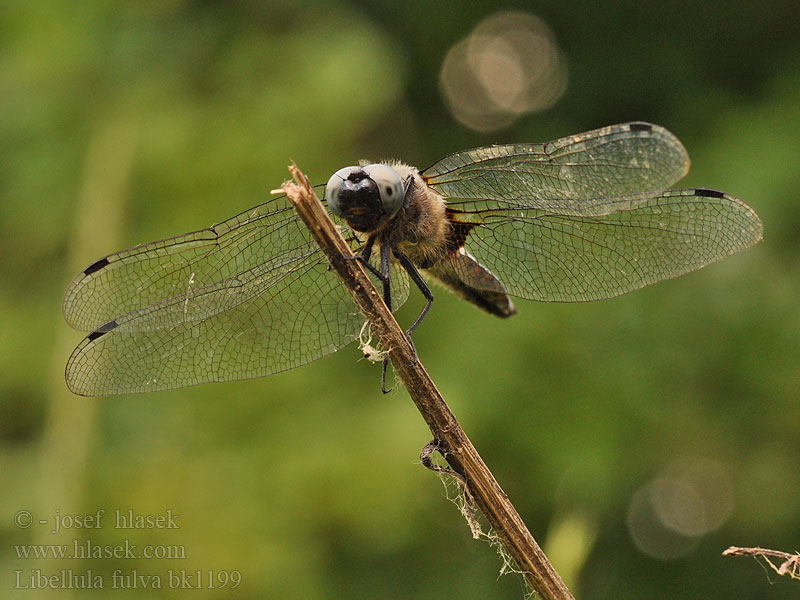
(461, 454)
(790, 565)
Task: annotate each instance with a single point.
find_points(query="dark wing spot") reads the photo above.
(641, 127)
(458, 231)
(95, 266)
(102, 330)
(709, 193)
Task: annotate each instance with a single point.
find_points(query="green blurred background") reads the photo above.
(638, 437)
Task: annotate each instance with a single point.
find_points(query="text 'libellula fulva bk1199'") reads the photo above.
(581, 218)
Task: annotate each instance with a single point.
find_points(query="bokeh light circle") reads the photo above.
(508, 66)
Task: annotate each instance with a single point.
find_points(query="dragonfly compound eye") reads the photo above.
(333, 188)
(365, 196)
(390, 186)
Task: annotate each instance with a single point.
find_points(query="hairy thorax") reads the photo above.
(421, 228)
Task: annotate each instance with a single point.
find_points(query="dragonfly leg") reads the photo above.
(411, 269)
(385, 272)
(364, 257)
(383, 376)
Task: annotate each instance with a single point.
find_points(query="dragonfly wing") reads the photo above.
(246, 298)
(306, 317)
(125, 281)
(621, 244)
(560, 175)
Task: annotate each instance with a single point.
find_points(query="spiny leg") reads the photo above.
(364, 256)
(411, 269)
(384, 274)
(386, 270)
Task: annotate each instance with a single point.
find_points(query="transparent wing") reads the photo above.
(612, 246)
(246, 298)
(243, 249)
(560, 175)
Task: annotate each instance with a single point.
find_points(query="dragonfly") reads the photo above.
(586, 217)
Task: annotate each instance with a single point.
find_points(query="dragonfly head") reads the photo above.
(366, 196)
